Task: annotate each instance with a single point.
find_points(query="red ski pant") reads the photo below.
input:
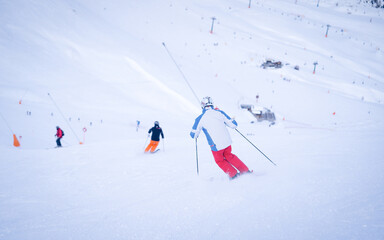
(152, 146)
(229, 162)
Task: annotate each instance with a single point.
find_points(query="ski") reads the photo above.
(155, 151)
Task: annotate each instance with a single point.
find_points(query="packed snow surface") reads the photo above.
(98, 68)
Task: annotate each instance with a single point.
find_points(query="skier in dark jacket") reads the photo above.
(59, 135)
(155, 139)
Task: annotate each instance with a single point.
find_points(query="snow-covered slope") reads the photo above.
(101, 66)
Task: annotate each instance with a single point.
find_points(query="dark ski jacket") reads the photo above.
(156, 131)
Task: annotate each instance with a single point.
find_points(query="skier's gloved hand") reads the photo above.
(194, 134)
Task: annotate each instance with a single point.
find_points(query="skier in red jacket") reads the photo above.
(59, 134)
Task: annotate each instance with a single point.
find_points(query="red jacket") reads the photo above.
(59, 133)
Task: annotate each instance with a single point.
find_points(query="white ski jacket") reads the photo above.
(214, 124)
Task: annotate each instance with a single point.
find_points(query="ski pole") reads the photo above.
(145, 144)
(163, 145)
(197, 157)
(255, 147)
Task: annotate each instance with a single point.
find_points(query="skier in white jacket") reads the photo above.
(214, 124)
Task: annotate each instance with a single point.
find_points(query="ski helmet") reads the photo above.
(206, 102)
(57, 127)
(157, 123)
